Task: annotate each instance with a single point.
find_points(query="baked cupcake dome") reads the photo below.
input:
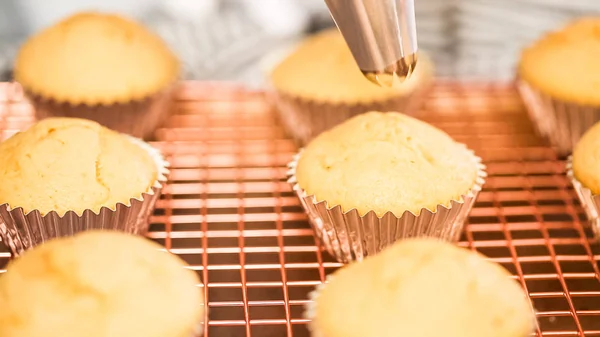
(99, 284)
(422, 287)
(382, 177)
(70, 164)
(564, 64)
(94, 58)
(386, 162)
(323, 69)
(558, 81)
(66, 175)
(582, 169)
(586, 160)
(319, 86)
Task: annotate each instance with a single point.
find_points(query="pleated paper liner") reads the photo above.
(562, 123)
(138, 118)
(348, 236)
(304, 119)
(589, 201)
(22, 230)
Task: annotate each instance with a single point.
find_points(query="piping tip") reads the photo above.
(381, 35)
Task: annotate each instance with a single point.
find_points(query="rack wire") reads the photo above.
(229, 213)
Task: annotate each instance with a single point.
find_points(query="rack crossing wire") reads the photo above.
(229, 213)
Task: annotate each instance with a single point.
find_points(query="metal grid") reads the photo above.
(229, 213)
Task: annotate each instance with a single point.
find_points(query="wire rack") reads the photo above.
(229, 213)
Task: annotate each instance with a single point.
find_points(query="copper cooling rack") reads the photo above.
(230, 214)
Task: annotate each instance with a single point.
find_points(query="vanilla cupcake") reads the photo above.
(319, 86)
(101, 67)
(583, 168)
(425, 288)
(100, 284)
(558, 80)
(65, 175)
(380, 177)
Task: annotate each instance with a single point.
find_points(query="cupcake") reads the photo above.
(425, 288)
(101, 67)
(558, 80)
(100, 284)
(380, 177)
(319, 86)
(583, 169)
(65, 175)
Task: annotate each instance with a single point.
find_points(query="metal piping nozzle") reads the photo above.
(381, 34)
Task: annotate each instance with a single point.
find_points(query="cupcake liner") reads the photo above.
(22, 230)
(137, 118)
(304, 119)
(589, 201)
(562, 123)
(348, 236)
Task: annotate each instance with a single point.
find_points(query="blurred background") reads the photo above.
(229, 40)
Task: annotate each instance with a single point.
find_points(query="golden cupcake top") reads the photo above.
(70, 164)
(99, 284)
(586, 159)
(565, 64)
(386, 162)
(425, 288)
(95, 58)
(322, 68)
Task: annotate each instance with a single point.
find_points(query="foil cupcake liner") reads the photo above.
(562, 123)
(589, 201)
(22, 230)
(348, 236)
(304, 119)
(136, 118)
